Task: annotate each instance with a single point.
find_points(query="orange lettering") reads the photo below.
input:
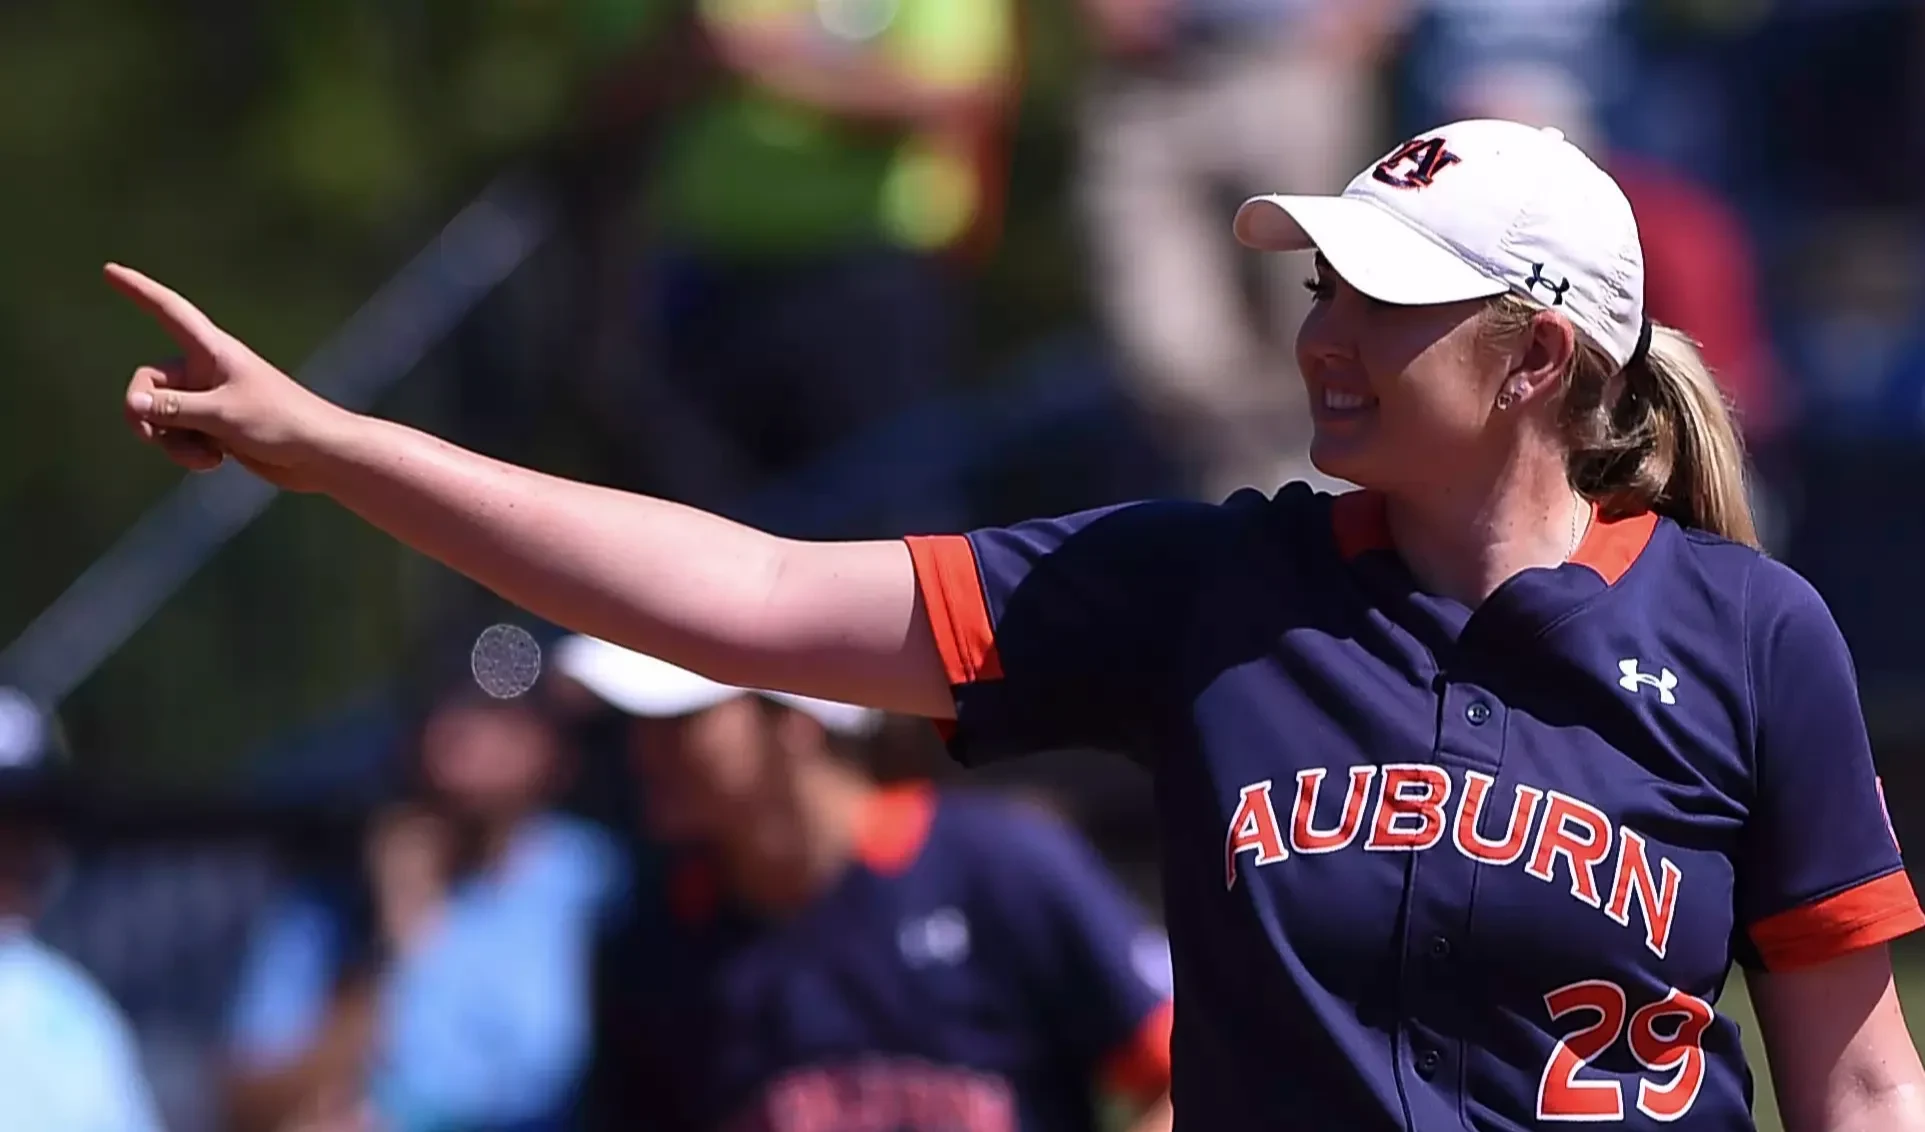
(1253, 828)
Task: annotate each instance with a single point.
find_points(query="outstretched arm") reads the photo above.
(836, 620)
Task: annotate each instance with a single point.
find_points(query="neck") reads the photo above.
(1465, 540)
(805, 839)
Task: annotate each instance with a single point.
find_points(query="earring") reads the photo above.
(1506, 399)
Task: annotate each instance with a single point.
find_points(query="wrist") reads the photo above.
(338, 442)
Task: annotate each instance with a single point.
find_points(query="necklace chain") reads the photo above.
(1580, 520)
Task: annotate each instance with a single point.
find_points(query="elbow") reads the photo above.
(743, 629)
(1877, 1102)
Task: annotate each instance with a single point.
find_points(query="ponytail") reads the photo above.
(1683, 458)
(1654, 436)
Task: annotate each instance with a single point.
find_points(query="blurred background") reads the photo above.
(834, 267)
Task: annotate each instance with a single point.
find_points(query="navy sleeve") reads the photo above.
(1097, 963)
(1820, 873)
(1062, 632)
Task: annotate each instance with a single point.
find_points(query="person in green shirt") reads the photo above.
(812, 203)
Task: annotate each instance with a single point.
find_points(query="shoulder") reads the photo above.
(66, 995)
(1788, 623)
(1774, 614)
(569, 857)
(1703, 568)
(1769, 595)
(1764, 595)
(1167, 538)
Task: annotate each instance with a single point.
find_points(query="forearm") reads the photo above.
(696, 589)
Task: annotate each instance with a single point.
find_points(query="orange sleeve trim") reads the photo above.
(1141, 1069)
(1874, 912)
(958, 609)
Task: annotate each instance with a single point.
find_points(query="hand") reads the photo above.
(220, 399)
(410, 859)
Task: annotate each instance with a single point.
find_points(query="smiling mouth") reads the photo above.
(1340, 401)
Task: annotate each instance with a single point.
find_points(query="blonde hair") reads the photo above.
(1655, 436)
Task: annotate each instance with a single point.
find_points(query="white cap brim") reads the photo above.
(645, 686)
(1374, 251)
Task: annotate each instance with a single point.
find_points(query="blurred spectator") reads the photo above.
(898, 958)
(813, 206)
(1196, 102)
(1700, 272)
(68, 1058)
(1856, 282)
(1451, 41)
(447, 989)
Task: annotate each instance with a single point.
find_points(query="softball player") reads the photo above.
(826, 953)
(1473, 783)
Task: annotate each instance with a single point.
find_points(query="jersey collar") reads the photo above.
(894, 827)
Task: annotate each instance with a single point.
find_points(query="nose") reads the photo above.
(1322, 344)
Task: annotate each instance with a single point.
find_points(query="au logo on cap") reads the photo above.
(1426, 157)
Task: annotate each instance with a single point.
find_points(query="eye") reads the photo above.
(1319, 288)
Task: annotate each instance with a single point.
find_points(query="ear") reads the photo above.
(1542, 357)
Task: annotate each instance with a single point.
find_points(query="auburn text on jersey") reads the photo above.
(1417, 807)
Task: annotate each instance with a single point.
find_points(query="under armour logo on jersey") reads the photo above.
(1556, 289)
(940, 938)
(1426, 157)
(1666, 681)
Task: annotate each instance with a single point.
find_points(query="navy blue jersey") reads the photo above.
(977, 969)
(1429, 867)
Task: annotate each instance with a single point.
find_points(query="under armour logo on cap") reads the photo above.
(1556, 289)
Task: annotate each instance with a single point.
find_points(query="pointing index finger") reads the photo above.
(182, 320)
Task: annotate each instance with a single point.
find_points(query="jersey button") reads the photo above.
(1427, 1062)
(1439, 947)
(1479, 713)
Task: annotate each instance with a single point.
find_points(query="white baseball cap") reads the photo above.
(1471, 210)
(655, 689)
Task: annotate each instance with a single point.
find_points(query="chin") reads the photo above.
(1342, 458)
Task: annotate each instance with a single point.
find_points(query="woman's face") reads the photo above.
(702, 774)
(493, 762)
(1397, 393)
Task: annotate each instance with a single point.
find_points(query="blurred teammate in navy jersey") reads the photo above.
(1473, 784)
(827, 953)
